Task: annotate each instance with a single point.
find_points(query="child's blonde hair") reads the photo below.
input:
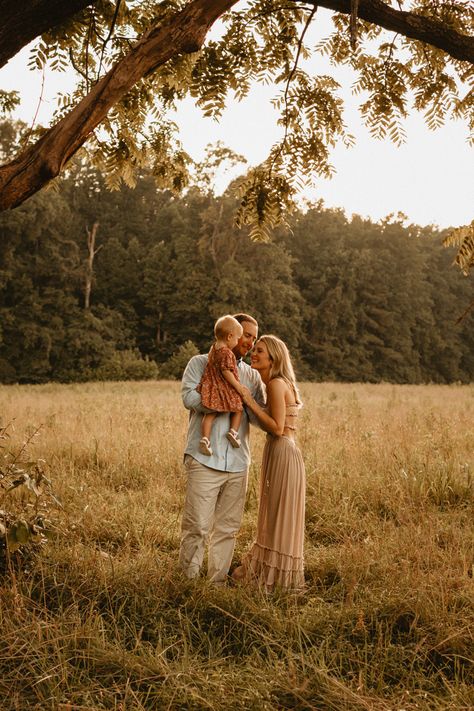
(225, 325)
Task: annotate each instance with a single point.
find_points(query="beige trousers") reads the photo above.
(213, 510)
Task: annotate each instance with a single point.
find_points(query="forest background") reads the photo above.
(355, 300)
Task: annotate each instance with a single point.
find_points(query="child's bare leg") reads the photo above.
(235, 420)
(206, 424)
(233, 433)
(206, 428)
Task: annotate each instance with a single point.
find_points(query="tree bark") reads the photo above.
(417, 27)
(37, 165)
(24, 20)
(91, 252)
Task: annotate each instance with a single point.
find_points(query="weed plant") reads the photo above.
(102, 619)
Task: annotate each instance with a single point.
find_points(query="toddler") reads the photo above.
(219, 387)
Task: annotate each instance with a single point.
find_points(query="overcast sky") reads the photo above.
(430, 178)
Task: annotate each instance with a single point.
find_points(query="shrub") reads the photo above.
(27, 491)
(174, 367)
(127, 365)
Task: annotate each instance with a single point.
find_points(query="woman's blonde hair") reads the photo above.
(281, 365)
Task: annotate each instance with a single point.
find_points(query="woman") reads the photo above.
(275, 559)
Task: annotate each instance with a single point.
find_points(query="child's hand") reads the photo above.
(246, 395)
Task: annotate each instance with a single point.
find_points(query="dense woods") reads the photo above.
(126, 285)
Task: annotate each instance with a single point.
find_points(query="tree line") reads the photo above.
(127, 284)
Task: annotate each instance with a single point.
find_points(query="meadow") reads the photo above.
(100, 617)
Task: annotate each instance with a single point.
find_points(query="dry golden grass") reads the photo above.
(103, 620)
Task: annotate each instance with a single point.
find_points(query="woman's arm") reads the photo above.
(272, 419)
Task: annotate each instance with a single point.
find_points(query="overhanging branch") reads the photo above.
(183, 33)
(417, 27)
(22, 21)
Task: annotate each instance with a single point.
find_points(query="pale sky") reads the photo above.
(430, 178)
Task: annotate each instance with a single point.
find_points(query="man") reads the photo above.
(216, 485)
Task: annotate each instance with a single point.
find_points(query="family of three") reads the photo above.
(222, 393)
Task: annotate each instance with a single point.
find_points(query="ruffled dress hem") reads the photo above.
(273, 569)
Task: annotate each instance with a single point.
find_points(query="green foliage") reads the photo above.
(379, 301)
(9, 100)
(263, 41)
(26, 498)
(215, 157)
(354, 300)
(462, 237)
(265, 199)
(174, 367)
(394, 71)
(127, 365)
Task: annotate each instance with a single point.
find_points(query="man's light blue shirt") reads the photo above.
(224, 457)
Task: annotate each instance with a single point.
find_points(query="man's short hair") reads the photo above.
(245, 317)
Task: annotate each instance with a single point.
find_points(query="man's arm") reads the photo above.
(257, 389)
(190, 380)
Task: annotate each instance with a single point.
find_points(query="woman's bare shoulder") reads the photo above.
(277, 386)
(282, 389)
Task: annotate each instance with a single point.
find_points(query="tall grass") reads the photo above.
(102, 619)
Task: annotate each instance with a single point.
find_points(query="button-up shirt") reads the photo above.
(224, 457)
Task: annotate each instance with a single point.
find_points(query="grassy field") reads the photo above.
(101, 618)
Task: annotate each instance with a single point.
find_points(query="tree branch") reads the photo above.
(288, 82)
(183, 32)
(412, 25)
(21, 22)
(109, 35)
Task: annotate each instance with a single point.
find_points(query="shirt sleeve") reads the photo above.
(226, 359)
(190, 380)
(258, 393)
